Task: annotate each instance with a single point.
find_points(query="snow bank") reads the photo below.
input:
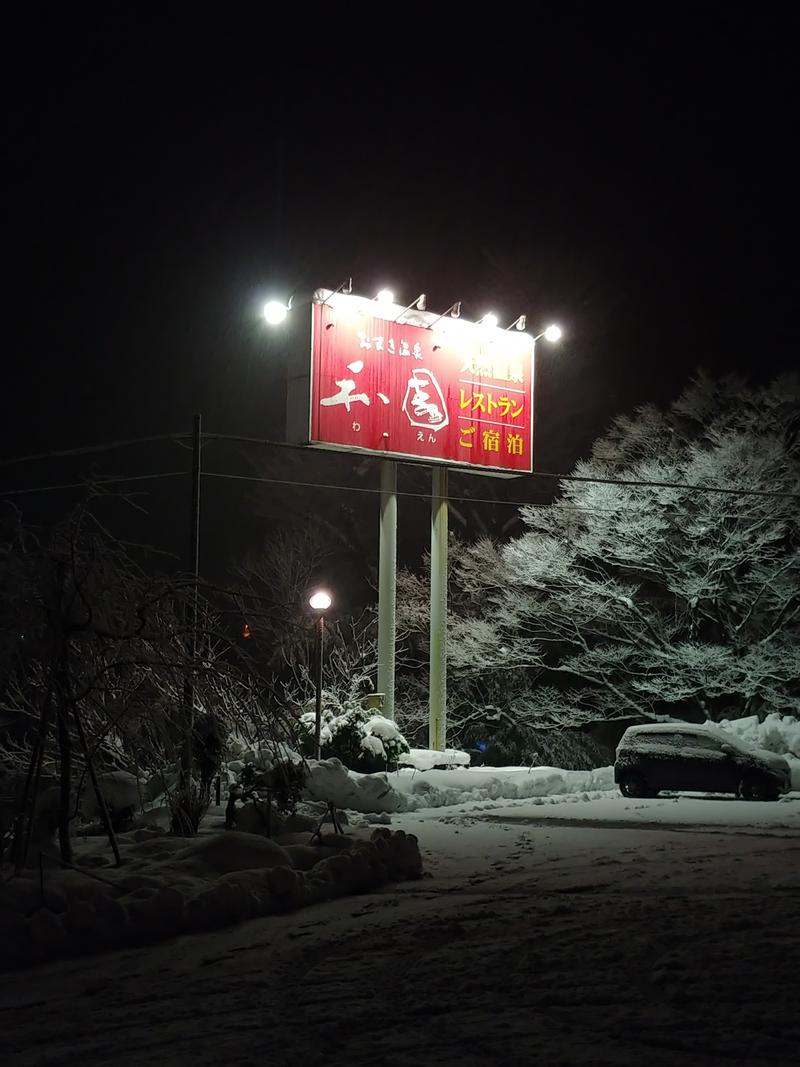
(425, 759)
(436, 789)
(777, 733)
(170, 885)
(410, 790)
(120, 790)
(794, 770)
(330, 781)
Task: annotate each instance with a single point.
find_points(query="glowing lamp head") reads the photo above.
(320, 601)
(490, 320)
(275, 312)
(552, 333)
(385, 296)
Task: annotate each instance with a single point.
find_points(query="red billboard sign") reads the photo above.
(414, 385)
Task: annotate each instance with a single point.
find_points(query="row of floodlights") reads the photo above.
(275, 312)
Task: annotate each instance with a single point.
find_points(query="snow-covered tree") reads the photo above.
(634, 598)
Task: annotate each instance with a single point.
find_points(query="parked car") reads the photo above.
(674, 756)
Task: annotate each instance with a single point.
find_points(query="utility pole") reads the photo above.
(194, 570)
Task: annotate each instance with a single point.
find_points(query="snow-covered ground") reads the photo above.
(549, 929)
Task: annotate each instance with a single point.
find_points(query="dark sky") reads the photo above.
(628, 174)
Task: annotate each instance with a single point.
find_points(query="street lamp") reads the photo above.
(319, 602)
(275, 312)
(551, 334)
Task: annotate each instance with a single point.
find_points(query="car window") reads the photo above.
(666, 743)
(660, 742)
(636, 741)
(698, 743)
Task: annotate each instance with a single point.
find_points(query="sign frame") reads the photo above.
(455, 337)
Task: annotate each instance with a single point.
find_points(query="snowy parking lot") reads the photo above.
(572, 929)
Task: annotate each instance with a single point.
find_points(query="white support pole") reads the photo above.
(387, 585)
(438, 614)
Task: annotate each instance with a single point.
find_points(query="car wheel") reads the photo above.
(631, 784)
(754, 788)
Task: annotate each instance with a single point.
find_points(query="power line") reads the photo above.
(86, 450)
(734, 491)
(643, 483)
(561, 504)
(97, 481)
(368, 489)
(110, 446)
(427, 496)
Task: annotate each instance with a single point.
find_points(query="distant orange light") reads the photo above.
(246, 631)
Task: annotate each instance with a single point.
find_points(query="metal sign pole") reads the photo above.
(387, 585)
(438, 613)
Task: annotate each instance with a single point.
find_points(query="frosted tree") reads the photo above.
(624, 599)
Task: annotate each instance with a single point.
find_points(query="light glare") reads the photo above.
(320, 601)
(490, 320)
(552, 333)
(275, 312)
(385, 296)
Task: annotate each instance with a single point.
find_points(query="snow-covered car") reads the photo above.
(677, 756)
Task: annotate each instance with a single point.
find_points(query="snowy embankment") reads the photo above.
(410, 790)
(777, 733)
(169, 885)
(421, 784)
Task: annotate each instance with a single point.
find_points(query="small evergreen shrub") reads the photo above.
(360, 738)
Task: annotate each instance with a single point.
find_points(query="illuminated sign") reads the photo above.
(414, 385)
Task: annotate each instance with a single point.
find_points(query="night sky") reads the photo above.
(629, 175)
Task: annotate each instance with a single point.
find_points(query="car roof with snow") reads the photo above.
(671, 728)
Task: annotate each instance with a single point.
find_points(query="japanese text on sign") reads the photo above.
(400, 389)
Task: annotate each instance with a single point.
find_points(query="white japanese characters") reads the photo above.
(394, 348)
(424, 403)
(345, 395)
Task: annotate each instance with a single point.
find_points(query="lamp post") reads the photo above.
(319, 602)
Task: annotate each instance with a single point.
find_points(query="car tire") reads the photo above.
(631, 785)
(755, 788)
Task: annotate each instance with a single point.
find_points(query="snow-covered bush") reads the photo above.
(383, 739)
(777, 733)
(352, 733)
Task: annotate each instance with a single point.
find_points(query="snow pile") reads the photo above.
(330, 781)
(382, 738)
(170, 885)
(263, 755)
(437, 789)
(425, 759)
(410, 790)
(777, 733)
(120, 790)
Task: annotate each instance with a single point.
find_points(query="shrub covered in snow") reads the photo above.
(776, 733)
(353, 734)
